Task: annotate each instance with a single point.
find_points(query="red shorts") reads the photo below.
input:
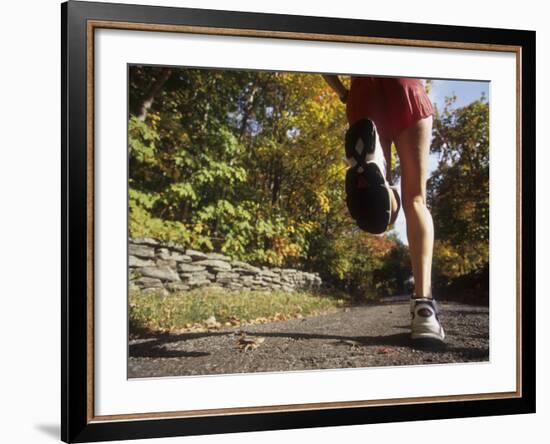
(393, 104)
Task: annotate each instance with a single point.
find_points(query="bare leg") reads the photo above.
(413, 148)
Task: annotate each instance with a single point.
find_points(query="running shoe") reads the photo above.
(425, 323)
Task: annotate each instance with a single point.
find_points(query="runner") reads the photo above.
(402, 114)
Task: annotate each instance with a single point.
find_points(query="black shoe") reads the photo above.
(368, 195)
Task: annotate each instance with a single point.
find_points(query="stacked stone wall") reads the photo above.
(167, 267)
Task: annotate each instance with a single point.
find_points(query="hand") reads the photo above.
(337, 86)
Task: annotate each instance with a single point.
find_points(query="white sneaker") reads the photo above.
(425, 320)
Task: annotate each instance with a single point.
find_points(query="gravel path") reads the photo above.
(366, 336)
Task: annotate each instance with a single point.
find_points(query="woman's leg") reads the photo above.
(413, 146)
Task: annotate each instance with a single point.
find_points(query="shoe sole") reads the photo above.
(381, 194)
(435, 336)
(376, 217)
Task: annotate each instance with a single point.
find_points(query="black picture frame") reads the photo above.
(77, 423)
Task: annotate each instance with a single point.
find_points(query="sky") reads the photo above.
(466, 92)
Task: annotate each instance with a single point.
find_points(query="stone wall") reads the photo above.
(167, 267)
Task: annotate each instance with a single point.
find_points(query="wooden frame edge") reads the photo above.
(90, 206)
(519, 243)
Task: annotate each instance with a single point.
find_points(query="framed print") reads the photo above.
(275, 221)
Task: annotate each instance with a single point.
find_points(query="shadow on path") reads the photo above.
(155, 348)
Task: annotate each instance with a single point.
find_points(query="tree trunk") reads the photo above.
(248, 107)
(153, 92)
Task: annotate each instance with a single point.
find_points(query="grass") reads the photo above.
(193, 310)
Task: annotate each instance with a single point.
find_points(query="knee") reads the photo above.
(414, 203)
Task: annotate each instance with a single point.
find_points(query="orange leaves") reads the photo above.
(378, 246)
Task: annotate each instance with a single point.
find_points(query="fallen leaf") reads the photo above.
(385, 350)
(246, 343)
(212, 323)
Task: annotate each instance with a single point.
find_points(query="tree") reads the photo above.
(458, 191)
